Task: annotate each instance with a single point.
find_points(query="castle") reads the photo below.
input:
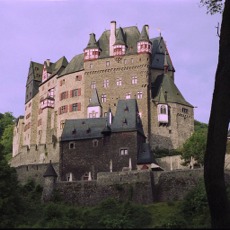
(106, 110)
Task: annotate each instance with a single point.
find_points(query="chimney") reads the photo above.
(48, 62)
(112, 38)
(147, 29)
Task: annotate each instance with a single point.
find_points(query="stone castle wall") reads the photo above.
(142, 187)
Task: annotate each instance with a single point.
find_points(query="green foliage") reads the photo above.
(7, 139)
(195, 146)
(114, 214)
(165, 152)
(194, 208)
(6, 133)
(5, 120)
(10, 201)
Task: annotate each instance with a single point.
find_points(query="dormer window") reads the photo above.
(91, 54)
(119, 50)
(162, 110)
(144, 47)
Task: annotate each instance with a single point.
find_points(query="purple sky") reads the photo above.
(49, 29)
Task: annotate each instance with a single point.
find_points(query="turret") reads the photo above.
(94, 107)
(92, 50)
(144, 45)
(49, 183)
(119, 45)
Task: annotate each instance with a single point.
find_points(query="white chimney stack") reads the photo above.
(112, 38)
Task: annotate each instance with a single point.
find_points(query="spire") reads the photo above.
(166, 66)
(119, 37)
(92, 44)
(50, 171)
(144, 34)
(94, 99)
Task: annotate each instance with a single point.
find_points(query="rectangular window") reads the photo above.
(184, 110)
(134, 80)
(108, 63)
(64, 95)
(125, 61)
(51, 92)
(62, 123)
(128, 96)
(75, 107)
(103, 97)
(75, 92)
(90, 65)
(119, 82)
(106, 83)
(63, 109)
(93, 114)
(139, 95)
(93, 85)
(123, 151)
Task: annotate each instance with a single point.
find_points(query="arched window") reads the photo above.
(163, 109)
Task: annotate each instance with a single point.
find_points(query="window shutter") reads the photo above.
(79, 106)
(79, 92)
(70, 108)
(71, 93)
(67, 94)
(66, 108)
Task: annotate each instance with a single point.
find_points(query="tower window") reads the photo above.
(93, 85)
(71, 145)
(128, 96)
(103, 97)
(106, 83)
(134, 80)
(119, 82)
(139, 95)
(163, 109)
(124, 151)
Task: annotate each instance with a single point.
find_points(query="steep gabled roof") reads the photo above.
(78, 129)
(158, 54)
(59, 65)
(127, 117)
(75, 65)
(165, 86)
(130, 36)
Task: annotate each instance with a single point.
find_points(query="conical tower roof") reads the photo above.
(144, 35)
(94, 99)
(92, 42)
(119, 37)
(50, 171)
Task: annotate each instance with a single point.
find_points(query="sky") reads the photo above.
(36, 30)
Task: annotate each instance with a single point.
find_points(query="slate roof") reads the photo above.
(125, 119)
(94, 99)
(145, 156)
(164, 90)
(92, 42)
(144, 35)
(59, 65)
(75, 65)
(50, 171)
(158, 54)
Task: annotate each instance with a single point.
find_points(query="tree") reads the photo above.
(5, 120)
(195, 147)
(218, 124)
(10, 202)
